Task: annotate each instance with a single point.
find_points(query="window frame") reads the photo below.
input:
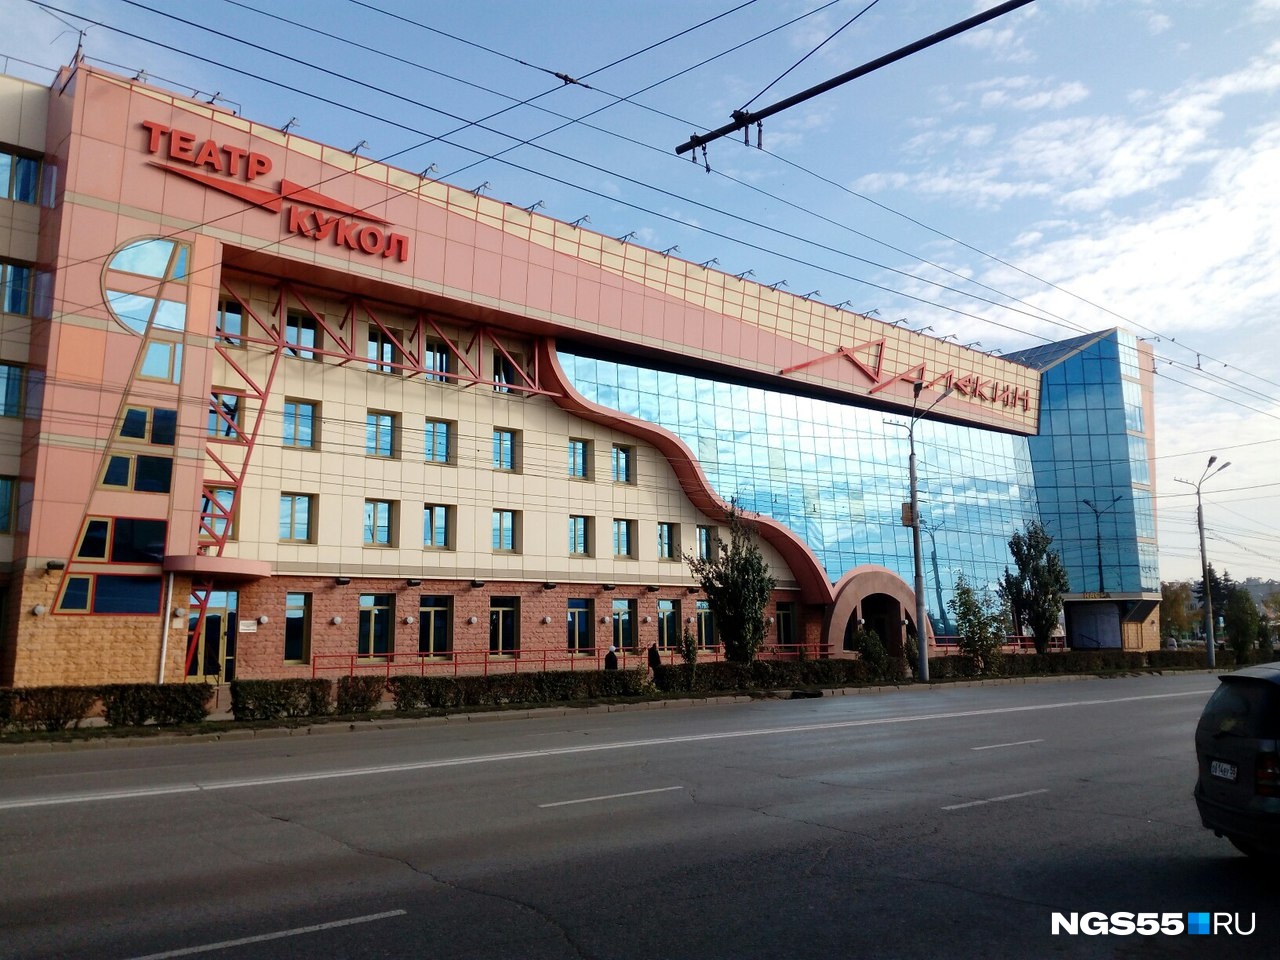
(290, 420)
(309, 522)
(304, 641)
(372, 525)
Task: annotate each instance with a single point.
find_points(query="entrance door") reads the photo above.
(215, 654)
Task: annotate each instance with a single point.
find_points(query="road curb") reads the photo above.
(392, 722)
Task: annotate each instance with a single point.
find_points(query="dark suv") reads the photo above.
(1237, 741)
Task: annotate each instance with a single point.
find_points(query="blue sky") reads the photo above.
(1073, 166)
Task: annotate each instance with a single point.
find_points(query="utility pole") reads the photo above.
(922, 612)
(1212, 656)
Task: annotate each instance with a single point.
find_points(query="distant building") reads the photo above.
(270, 409)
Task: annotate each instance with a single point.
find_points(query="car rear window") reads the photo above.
(1243, 708)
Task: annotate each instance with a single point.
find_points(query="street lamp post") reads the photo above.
(922, 613)
(1097, 516)
(1212, 656)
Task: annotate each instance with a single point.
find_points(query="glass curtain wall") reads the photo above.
(836, 474)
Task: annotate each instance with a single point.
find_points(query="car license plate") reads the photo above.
(1222, 770)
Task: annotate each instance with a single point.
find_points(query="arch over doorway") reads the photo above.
(878, 596)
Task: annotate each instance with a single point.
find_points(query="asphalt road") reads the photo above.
(944, 823)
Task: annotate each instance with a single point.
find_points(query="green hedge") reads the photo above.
(276, 699)
(47, 708)
(554, 686)
(136, 704)
(769, 675)
(360, 694)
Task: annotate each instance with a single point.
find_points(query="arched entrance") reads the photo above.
(881, 600)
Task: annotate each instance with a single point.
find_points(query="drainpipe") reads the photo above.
(164, 636)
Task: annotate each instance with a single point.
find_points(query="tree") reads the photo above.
(1240, 616)
(981, 622)
(1219, 586)
(1177, 612)
(738, 586)
(1033, 594)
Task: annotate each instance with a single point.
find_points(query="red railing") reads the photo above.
(949, 644)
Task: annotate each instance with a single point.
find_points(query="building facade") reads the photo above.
(271, 409)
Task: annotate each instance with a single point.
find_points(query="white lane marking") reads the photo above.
(1016, 743)
(297, 931)
(556, 752)
(609, 796)
(1007, 796)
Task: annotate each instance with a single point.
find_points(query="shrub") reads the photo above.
(360, 694)
(274, 699)
(8, 705)
(52, 708)
(870, 648)
(553, 686)
(135, 704)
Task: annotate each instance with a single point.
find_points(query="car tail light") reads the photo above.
(1266, 777)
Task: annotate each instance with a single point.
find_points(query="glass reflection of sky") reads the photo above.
(837, 475)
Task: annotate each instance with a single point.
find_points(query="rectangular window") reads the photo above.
(15, 287)
(297, 627)
(380, 434)
(581, 636)
(225, 414)
(706, 625)
(706, 543)
(216, 506)
(295, 517)
(381, 351)
(439, 441)
(437, 360)
(669, 626)
(120, 594)
(10, 390)
(624, 624)
(624, 467)
(378, 523)
(229, 324)
(506, 536)
(580, 459)
(300, 422)
(300, 332)
(376, 638)
(505, 371)
(8, 493)
(579, 536)
(624, 538)
(138, 541)
(668, 541)
(435, 625)
(436, 526)
(504, 626)
(19, 177)
(786, 623)
(506, 449)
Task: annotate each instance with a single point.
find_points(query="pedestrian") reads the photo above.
(611, 659)
(655, 660)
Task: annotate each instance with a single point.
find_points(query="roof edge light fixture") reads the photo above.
(477, 583)
(413, 582)
(1210, 655)
(342, 581)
